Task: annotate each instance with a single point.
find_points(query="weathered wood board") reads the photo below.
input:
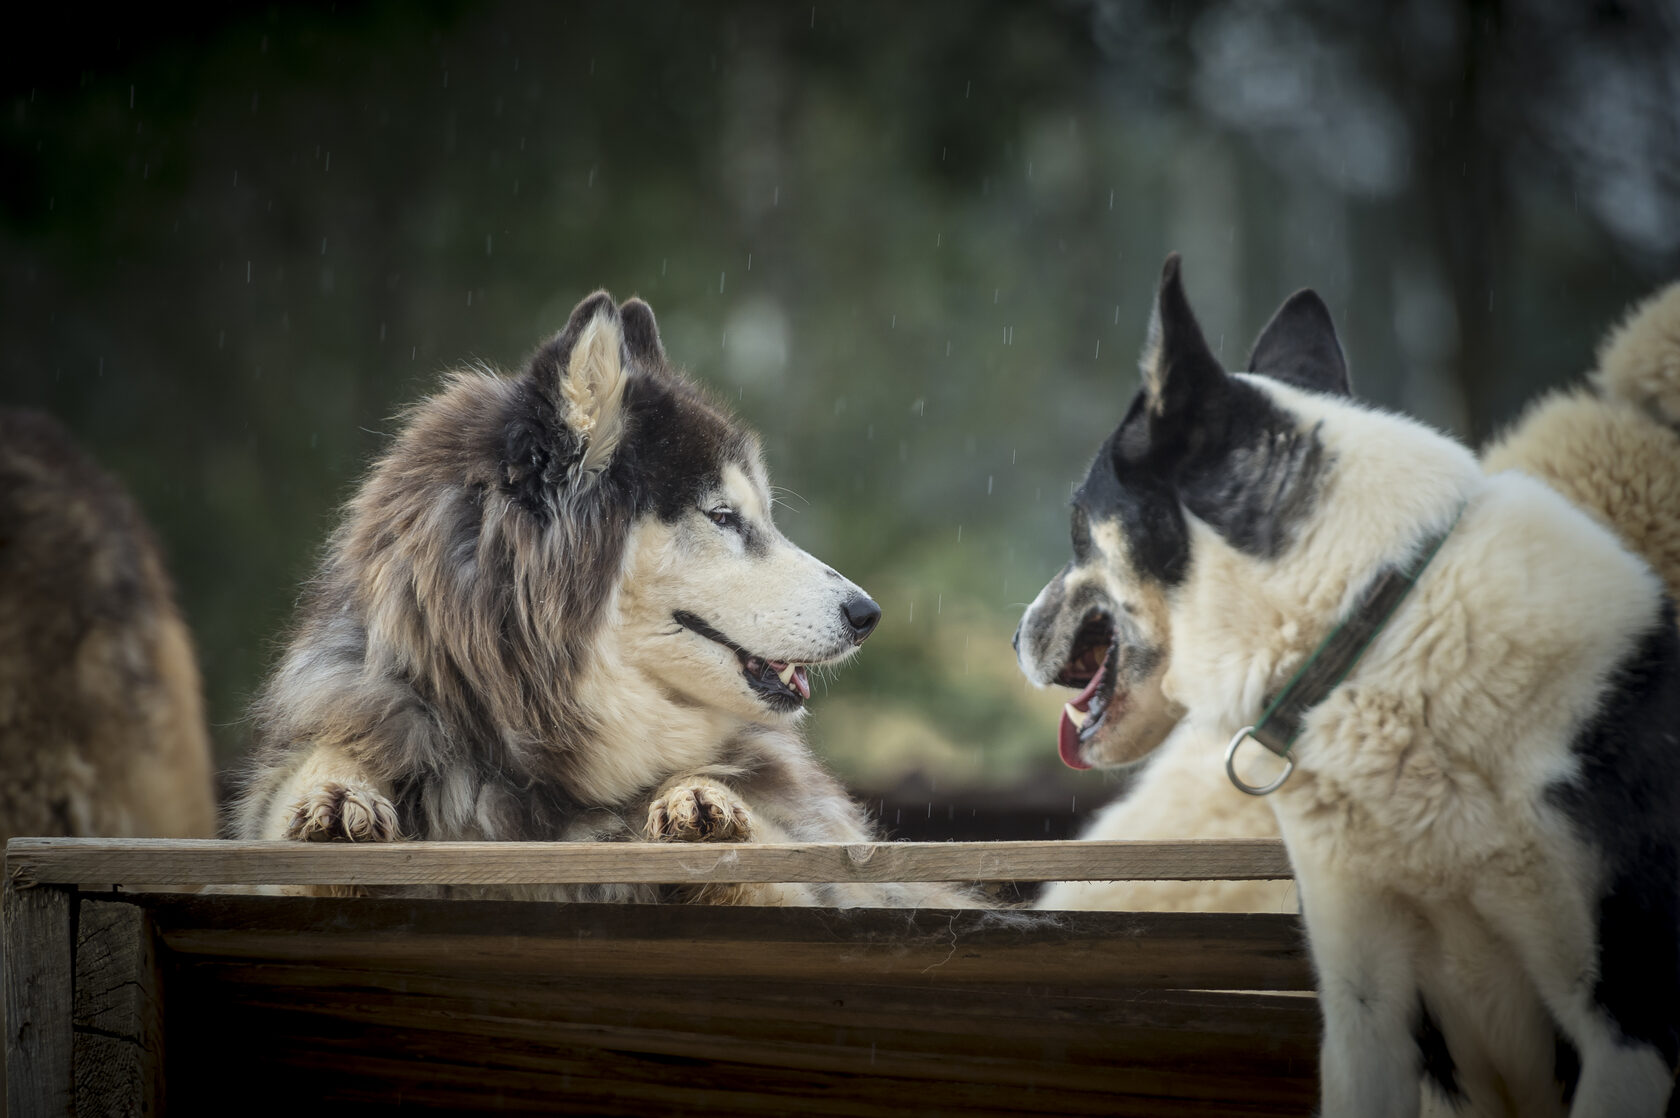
(625, 1009)
(39, 958)
(117, 1012)
(211, 862)
(233, 1002)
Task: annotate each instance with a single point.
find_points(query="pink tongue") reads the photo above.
(1067, 734)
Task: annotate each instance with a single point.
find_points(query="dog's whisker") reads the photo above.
(778, 490)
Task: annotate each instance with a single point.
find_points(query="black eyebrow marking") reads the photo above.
(1081, 530)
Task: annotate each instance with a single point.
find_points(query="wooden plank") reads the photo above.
(388, 1069)
(614, 1043)
(214, 862)
(390, 1004)
(1165, 1027)
(1071, 950)
(343, 1071)
(117, 1015)
(38, 979)
(1000, 1035)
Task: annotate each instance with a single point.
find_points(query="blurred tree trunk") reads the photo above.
(1464, 181)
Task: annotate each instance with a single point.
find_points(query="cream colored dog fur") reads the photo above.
(1484, 815)
(1611, 446)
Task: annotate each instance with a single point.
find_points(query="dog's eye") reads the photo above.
(725, 517)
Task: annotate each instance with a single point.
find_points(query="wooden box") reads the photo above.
(125, 999)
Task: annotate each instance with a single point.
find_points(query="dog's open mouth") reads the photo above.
(1089, 667)
(775, 677)
(781, 684)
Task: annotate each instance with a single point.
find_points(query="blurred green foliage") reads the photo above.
(913, 244)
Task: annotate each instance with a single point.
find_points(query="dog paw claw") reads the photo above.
(343, 813)
(698, 810)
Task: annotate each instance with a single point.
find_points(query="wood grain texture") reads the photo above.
(388, 1004)
(1051, 1066)
(39, 981)
(103, 862)
(117, 1012)
(1076, 950)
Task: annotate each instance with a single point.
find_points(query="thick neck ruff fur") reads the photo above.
(492, 647)
(1485, 816)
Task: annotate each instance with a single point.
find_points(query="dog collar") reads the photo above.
(1331, 662)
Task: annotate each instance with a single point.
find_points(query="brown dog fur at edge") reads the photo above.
(102, 729)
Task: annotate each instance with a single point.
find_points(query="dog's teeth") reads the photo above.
(786, 675)
(1075, 715)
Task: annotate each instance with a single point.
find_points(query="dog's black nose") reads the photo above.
(1015, 641)
(862, 614)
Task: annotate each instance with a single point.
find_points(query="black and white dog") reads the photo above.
(1484, 815)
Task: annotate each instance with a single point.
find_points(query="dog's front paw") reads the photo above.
(343, 813)
(695, 809)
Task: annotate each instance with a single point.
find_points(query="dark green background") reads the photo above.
(913, 243)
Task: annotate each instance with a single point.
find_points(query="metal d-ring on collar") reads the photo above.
(1243, 785)
(1330, 663)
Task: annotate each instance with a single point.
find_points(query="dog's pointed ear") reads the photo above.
(1299, 347)
(593, 387)
(641, 333)
(1178, 367)
(582, 373)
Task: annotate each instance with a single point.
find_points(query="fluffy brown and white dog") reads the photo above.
(102, 729)
(1611, 445)
(558, 609)
(1483, 812)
